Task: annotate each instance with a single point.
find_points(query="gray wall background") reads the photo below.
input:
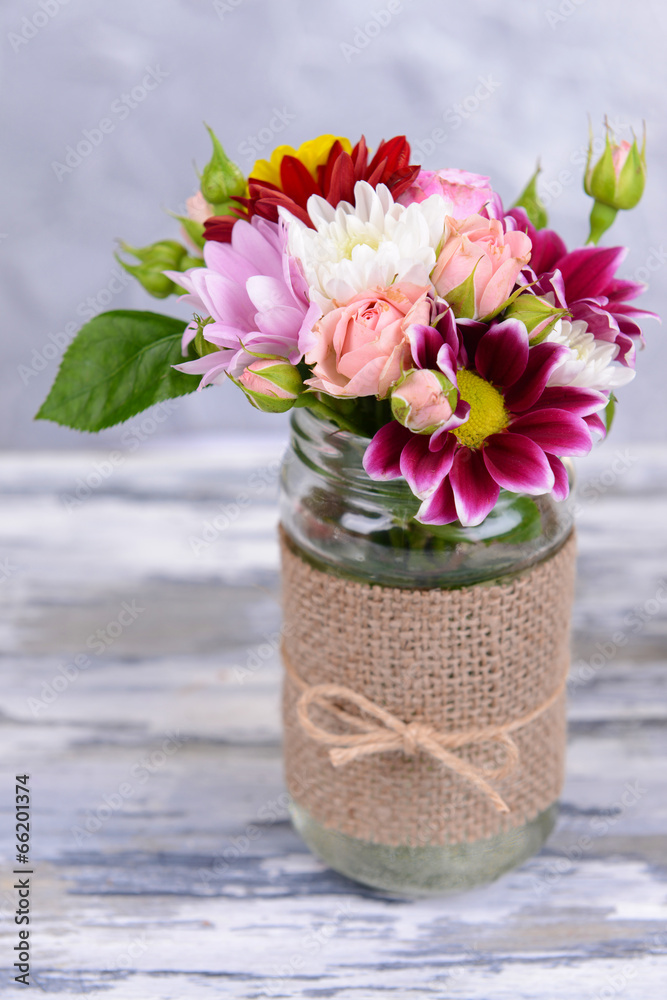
(65, 65)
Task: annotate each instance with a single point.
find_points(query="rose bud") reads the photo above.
(424, 401)
(615, 182)
(271, 386)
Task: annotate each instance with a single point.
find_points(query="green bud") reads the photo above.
(615, 182)
(165, 255)
(195, 230)
(530, 201)
(221, 178)
(538, 315)
(258, 382)
(202, 345)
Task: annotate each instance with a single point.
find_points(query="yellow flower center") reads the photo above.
(361, 239)
(487, 410)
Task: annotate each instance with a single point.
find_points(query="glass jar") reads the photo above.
(340, 522)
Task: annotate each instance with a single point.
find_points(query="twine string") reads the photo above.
(390, 733)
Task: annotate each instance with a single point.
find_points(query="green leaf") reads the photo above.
(610, 412)
(529, 200)
(118, 365)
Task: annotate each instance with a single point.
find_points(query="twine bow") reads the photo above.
(391, 733)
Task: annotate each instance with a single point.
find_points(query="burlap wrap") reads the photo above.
(459, 659)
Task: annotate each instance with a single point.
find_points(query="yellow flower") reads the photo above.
(312, 154)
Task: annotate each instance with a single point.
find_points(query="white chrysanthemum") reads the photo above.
(590, 364)
(369, 244)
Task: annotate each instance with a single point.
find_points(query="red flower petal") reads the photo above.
(342, 181)
(518, 464)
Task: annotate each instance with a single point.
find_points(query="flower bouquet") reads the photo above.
(443, 358)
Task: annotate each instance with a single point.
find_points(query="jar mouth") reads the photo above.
(339, 518)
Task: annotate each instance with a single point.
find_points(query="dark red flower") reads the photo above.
(335, 182)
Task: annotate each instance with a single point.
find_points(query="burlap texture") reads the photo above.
(456, 659)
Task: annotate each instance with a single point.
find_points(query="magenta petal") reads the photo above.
(475, 491)
(518, 464)
(542, 360)
(458, 417)
(554, 430)
(573, 398)
(589, 271)
(596, 424)
(425, 469)
(548, 248)
(502, 353)
(561, 488)
(382, 458)
(439, 508)
(446, 362)
(425, 342)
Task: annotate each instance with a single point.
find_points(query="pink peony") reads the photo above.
(362, 348)
(481, 248)
(468, 193)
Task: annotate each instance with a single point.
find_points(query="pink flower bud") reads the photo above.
(422, 401)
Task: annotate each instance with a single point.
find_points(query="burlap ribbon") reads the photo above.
(391, 733)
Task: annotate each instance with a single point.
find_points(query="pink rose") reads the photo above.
(467, 192)
(362, 348)
(422, 401)
(480, 248)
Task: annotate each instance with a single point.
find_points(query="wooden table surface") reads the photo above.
(140, 691)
